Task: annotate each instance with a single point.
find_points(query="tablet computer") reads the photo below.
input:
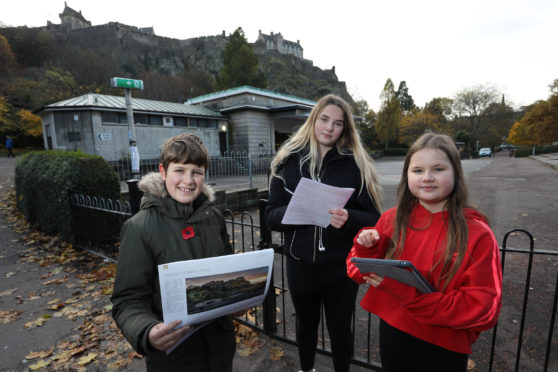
(400, 270)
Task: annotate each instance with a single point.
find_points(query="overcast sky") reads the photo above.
(438, 47)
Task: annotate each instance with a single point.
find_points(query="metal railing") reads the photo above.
(522, 339)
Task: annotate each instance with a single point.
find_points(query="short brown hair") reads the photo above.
(185, 148)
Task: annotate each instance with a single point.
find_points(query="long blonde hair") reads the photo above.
(350, 139)
(458, 232)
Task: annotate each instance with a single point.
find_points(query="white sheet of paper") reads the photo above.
(248, 276)
(312, 201)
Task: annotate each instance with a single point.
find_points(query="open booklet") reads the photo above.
(311, 202)
(197, 291)
(400, 270)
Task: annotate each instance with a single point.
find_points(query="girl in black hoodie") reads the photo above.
(327, 148)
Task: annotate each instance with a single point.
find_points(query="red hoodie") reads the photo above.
(452, 318)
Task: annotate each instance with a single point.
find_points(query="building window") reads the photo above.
(193, 122)
(180, 121)
(212, 123)
(141, 119)
(155, 120)
(202, 123)
(109, 117)
(122, 118)
(73, 137)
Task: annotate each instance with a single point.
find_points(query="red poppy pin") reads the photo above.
(188, 233)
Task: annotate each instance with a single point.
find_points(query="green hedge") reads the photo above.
(45, 180)
(524, 151)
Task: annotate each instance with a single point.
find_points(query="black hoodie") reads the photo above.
(302, 241)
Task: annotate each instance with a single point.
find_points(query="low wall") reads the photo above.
(240, 199)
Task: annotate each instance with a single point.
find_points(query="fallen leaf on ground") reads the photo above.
(62, 356)
(40, 364)
(87, 359)
(36, 323)
(56, 281)
(8, 316)
(276, 353)
(39, 354)
(8, 292)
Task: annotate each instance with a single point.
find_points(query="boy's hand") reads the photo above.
(162, 337)
(338, 217)
(368, 237)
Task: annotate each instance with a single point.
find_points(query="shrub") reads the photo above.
(45, 181)
(524, 151)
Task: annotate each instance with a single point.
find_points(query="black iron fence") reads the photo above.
(239, 168)
(524, 338)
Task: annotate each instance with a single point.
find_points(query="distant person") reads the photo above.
(177, 221)
(10, 146)
(451, 244)
(327, 148)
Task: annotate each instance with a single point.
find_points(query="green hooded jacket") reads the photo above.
(163, 231)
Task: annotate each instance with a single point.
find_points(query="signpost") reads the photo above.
(129, 84)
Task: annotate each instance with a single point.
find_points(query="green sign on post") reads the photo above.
(117, 82)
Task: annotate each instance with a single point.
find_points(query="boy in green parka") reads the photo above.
(177, 221)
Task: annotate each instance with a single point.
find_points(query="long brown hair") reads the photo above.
(350, 139)
(458, 200)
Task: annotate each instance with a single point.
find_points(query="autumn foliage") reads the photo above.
(539, 125)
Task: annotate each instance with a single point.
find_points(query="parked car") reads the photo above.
(507, 146)
(485, 151)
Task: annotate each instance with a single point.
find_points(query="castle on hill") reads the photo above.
(71, 19)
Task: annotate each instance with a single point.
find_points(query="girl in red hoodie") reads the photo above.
(451, 245)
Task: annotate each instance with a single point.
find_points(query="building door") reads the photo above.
(280, 138)
(48, 137)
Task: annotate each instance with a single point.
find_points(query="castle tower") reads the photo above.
(276, 43)
(73, 20)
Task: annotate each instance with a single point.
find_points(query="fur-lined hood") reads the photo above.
(154, 184)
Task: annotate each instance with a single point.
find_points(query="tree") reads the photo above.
(365, 124)
(540, 123)
(405, 100)
(8, 124)
(8, 62)
(31, 46)
(554, 86)
(470, 104)
(500, 118)
(240, 64)
(519, 135)
(30, 124)
(441, 107)
(414, 125)
(389, 115)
